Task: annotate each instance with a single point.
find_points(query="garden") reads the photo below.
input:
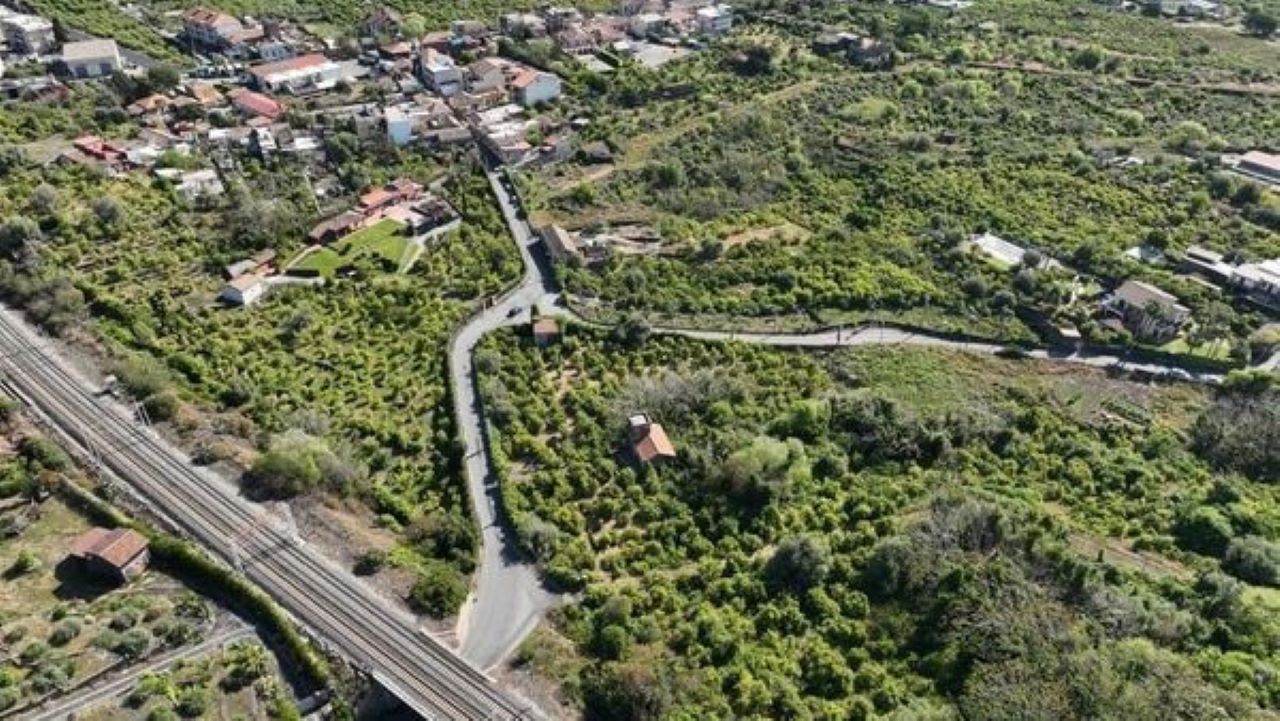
(886, 532)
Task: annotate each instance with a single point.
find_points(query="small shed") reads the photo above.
(649, 441)
(118, 554)
(545, 332)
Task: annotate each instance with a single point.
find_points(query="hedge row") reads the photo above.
(188, 562)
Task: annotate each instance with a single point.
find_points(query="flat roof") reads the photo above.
(90, 50)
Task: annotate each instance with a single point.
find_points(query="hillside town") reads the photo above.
(640, 360)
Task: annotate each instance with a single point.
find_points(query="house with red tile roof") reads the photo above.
(257, 105)
(305, 72)
(118, 554)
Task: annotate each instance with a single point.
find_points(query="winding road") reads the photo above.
(508, 599)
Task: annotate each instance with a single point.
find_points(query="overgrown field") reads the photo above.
(1014, 129)
(896, 532)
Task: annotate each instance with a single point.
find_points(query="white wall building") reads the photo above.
(28, 34)
(439, 72)
(534, 86)
(91, 58)
(306, 72)
(715, 20)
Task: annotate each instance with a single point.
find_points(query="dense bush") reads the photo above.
(438, 591)
(1241, 431)
(1253, 559)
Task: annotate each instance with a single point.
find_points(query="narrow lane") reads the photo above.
(327, 600)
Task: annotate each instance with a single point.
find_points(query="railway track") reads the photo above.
(330, 602)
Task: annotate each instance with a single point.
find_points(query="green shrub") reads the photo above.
(439, 590)
(1253, 559)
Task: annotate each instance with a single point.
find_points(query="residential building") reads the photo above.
(308, 72)
(203, 183)
(1189, 8)
(259, 262)
(715, 19)
(28, 34)
(271, 51)
(561, 246)
(1207, 263)
(246, 289)
(649, 441)
(431, 214)
(575, 41)
(118, 554)
(149, 105)
(257, 105)
(531, 87)
(397, 191)
(646, 24)
(1262, 279)
(399, 126)
(561, 17)
(1260, 165)
(489, 74)
(1147, 311)
(205, 94)
(91, 58)
(211, 29)
(439, 72)
(336, 227)
(868, 52)
(99, 149)
(545, 331)
(522, 25)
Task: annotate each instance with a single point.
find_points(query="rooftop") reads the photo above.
(89, 50)
(654, 444)
(1267, 161)
(1138, 294)
(117, 546)
(310, 61)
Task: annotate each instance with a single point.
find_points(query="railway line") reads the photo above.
(330, 602)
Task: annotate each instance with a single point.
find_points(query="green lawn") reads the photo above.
(382, 240)
(324, 261)
(1217, 349)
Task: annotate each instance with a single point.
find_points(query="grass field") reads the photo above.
(382, 242)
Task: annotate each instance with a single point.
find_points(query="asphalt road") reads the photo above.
(508, 597)
(328, 601)
(893, 336)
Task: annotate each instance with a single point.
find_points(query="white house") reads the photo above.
(200, 183)
(1149, 312)
(1263, 166)
(28, 34)
(399, 126)
(246, 289)
(1262, 278)
(305, 72)
(715, 20)
(439, 72)
(91, 58)
(534, 86)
